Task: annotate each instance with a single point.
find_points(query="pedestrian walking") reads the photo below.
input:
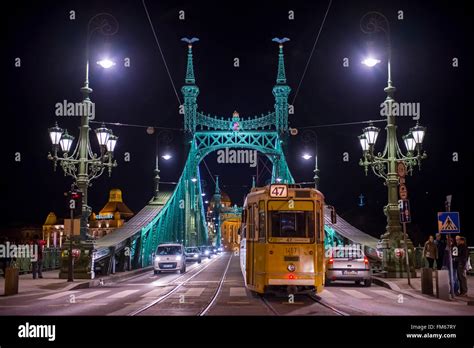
(441, 246)
(463, 255)
(37, 260)
(455, 253)
(430, 251)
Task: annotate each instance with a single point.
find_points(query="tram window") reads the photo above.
(261, 222)
(319, 231)
(298, 224)
(251, 225)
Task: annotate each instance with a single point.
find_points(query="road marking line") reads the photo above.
(327, 294)
(194, 292)
(154, 292)
(59, 305)
(238, 302)
(238, 292)
(186, 302)
(386, 293)
(13, 306)
(92, 294)
(356, 294)
(58, 295)
(122, 294)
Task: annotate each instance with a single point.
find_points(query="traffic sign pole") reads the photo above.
(451, 271)
(406, 250)
(70, 277)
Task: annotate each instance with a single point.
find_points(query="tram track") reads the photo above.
(216, 293)
(313, 297)
(176, 288)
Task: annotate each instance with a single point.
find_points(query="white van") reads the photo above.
(169, 257)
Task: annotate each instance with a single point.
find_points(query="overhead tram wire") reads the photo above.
(311, 54)
(161, 52)
(208, 170)
(341, 124)
(136, 125)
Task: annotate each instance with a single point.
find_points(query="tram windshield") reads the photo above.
(295, 224)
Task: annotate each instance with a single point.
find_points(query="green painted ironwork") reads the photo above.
(182, 218)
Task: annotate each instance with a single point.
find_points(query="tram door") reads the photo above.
(251, 245)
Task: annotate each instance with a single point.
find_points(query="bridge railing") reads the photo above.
(51, 261)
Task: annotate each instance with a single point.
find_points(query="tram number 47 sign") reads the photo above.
(279, 191)
(404, 207)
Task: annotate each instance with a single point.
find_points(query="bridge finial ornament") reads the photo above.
(189, 68)
(281, 76)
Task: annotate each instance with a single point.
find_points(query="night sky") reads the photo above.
(52, 52)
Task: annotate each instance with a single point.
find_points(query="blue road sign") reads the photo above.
(448, 222)
(404, 207)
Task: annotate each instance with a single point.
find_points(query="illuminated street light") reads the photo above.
(370, 62)
(389, 163)
(166, 156)
(410, 142)
(82, 164)
(364, 143)
(66, 142)
(307, 156)
(106, 63)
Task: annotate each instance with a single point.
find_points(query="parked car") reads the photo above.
(169, 257)
(193, 254)
(356, 269)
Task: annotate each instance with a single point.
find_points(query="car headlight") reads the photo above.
(196, 255)
(291, 267)
(157, 258)
(178, 257)
(206, 252)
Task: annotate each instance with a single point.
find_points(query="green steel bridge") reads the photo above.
(179, 216)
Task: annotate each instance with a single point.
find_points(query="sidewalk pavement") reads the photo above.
(50, 281)
(401, 285)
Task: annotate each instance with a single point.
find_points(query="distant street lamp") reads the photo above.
(309, 137)
(82, 164)
(384, 165)
(164, 136)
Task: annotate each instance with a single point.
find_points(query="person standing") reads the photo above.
(430, 251)
(441, 246)
(37, 262)
(455, 253)
(463, 255)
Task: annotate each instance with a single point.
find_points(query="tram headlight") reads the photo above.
(291, 267)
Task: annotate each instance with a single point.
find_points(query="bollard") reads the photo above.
(442, 285)
(11, 281)
(427, 281)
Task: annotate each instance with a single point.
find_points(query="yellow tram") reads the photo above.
(282, 239)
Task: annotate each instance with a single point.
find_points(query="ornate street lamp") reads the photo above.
(82, 164)
(384, 165)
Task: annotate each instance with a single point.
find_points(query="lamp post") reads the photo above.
(166, 137)
(82, 164)
(309, 137)
(384, 165)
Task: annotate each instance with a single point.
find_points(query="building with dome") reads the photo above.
(113, 215)
(223, 220)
